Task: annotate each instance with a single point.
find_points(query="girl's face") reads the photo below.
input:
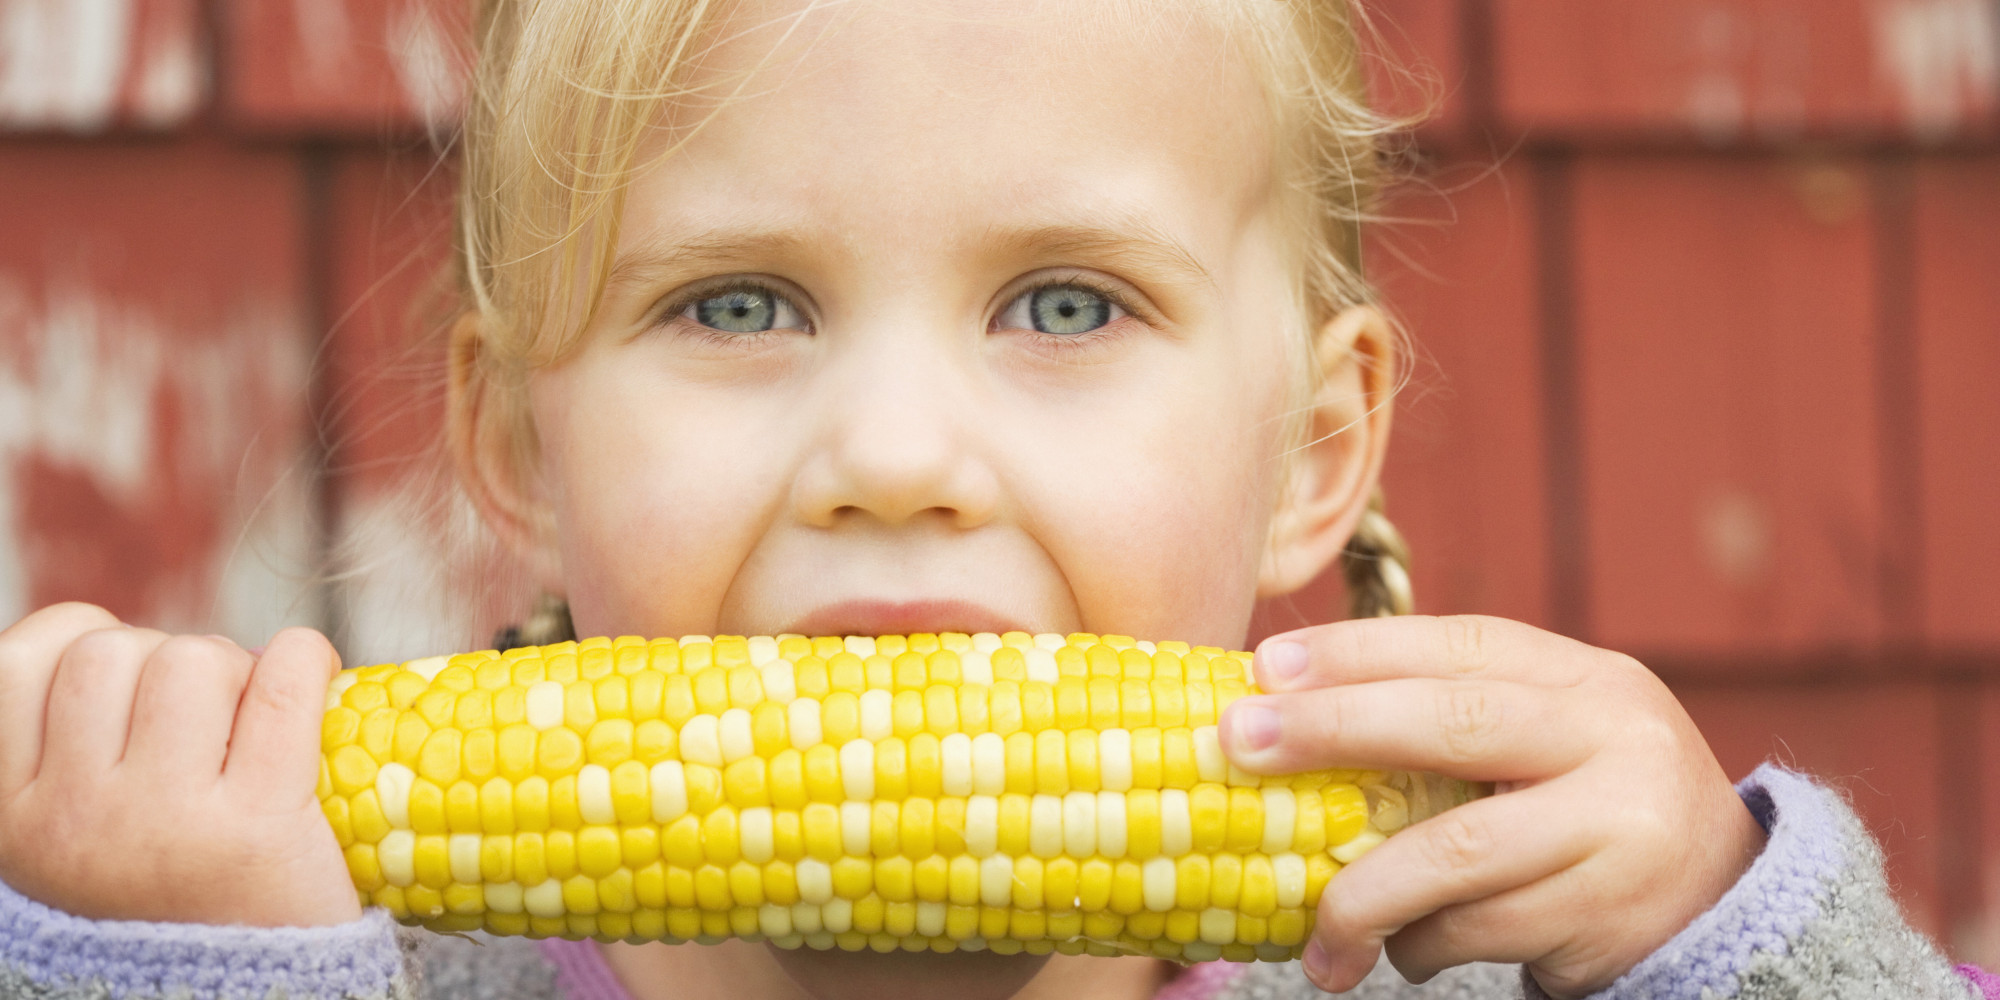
(963, 317)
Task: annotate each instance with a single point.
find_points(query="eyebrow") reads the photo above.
(1126, 243)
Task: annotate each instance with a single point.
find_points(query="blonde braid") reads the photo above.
(1376, 565)
(548, 623)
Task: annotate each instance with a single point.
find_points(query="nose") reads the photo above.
(896, 443)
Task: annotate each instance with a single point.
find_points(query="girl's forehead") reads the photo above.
(963, 115)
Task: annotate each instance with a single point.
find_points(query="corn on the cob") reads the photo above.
(1011, 792)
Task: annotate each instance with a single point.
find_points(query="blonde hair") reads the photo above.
(568, 95)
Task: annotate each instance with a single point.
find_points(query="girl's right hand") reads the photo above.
(166, 778)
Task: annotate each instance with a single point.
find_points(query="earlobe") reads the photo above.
(487, 455)
(1332, 472)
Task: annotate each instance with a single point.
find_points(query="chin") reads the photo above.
(901, 975)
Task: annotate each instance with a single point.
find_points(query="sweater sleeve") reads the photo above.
(46, 954)
(1812, 917)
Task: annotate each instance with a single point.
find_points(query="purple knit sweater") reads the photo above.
(1812, 917)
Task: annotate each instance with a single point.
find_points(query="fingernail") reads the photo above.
(1282, 661)
(1316, 961)
(1255, 726)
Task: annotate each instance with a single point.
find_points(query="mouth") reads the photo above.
(902, 618)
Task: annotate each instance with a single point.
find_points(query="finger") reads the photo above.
(274, 749)
(29, 652)
(1466, 646)
(185, 706)
(1515, 927)
(1472, 729)
(90, 702)
(1464, 854)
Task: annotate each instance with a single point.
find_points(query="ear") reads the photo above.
(1329, 480)
(491, 453)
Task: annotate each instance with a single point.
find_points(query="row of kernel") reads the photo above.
(870, 914)
(747, 746)
(852, 845)
(1256, 884)
(811, 675)
(671, 796)
(889, 927)
(607, 715)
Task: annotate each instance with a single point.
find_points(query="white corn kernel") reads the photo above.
(669, 788)
(463, 850)
(1041, 665)
(986, 642)
(1111, 827)
(1114, 760)
(982, 825)
(1079, 823)
(837, 915)
(1362, 843)
(1288, 870)
(1045, 826)
(429, 667)
(544, 900)
(392, 791)
(732, 733)
(755, 831)
(930, 919)
(397, 854)
(955, 764)
(855, 828)
(860, 645)
(763, 649)
(975, 666)
(996, 880)
(1281, 819)
(1158, 884)
(545, 704)
(593, 795)
(1176, 823)
(802, 722)
(781, 680)
(989, 764)
(504, 897)
(815, 879)
(1209, 763)
(878, 715)
(701, 741)
(857, 769)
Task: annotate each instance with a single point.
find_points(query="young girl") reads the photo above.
(929, 315)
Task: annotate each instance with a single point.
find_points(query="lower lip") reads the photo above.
(900, 618)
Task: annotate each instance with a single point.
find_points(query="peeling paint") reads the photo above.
(1943, 57)
(126, 444)
(73, 65)
(61, 61)
(432, 78)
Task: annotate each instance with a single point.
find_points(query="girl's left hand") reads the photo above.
(1614, 826)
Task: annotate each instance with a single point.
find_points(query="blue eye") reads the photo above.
(1064, 310)
(744, 309)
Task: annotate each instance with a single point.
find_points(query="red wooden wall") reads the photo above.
(1703, 290)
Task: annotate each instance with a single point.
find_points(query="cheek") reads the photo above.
(656, 502)
(1159, 524)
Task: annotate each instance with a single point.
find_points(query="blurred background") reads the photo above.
(1704, 290)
